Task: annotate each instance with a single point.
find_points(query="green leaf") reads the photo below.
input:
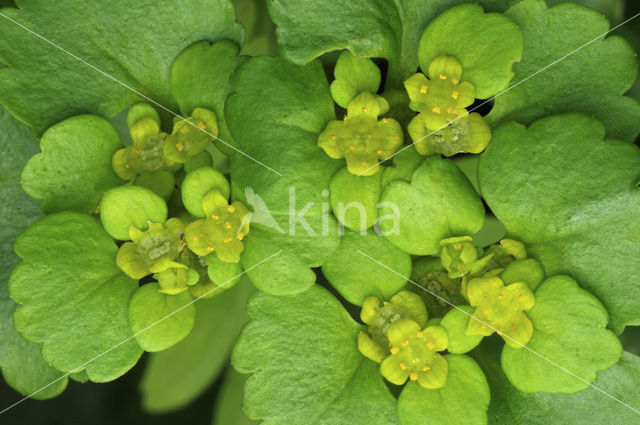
(569, 330)
(464, 399)
(75, 300)
(158, 320)
(583, 225)
(444, 200)
(200, 78)
(74, 168)
(307, 368)
(228, 406)
(21, 361)
(512, 407)
(591, 80)
(294, 103)
(354, 199)
(153, 33)
(197, 184)
(456, 322)
(390, 30)
(356, 277)
(353, 75)
(485, 44)
(175, 377)
(290, 271)
(125, 206)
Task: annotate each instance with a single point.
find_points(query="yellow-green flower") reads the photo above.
(414, 354)
(500, 308)
(361, 139)
(443, 125)
(375, 344)
(191, 136)
(221, 231)
(144, 154)
(152, 250)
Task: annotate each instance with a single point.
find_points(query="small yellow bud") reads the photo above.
(413, 376)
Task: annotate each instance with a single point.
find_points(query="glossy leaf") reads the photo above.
(591, 80)
(74, 168)
(23, 367)
(134, 45)
(75, 300)
(583, 226)
(174, 377)
(569, 330)
(306, 366)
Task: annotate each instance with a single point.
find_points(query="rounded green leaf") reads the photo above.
(354, 199)
(306, 366)
(591, 80)
(353, 75)
(290, 271)
(357, 277)
(456, 322)
(528, 271)
(438, 203)
(202, 160)
(570, 331)
(198, 183)
(201, 77)
(142, 110)
(486, 44)
(223, 274)
(75, 300)
(581, 223)
(124, 206)
(158, 320)
(36, 91)
(464, 399)
(74, 168)
(23, 367)
(175, 377)
(159, 182)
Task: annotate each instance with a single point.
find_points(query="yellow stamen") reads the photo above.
(430, 345)
(403, 366)
(227, 240)
(405, 342)
(455, 94)
(436, 109)
(215, 216)
(394, 350)
(420, 334)
(231, 208)
(210, 248)
(443, 77)
(379, 151)
(227, 225)
(333, 137)
(500, 296)
(184, 128)
(351, 148)
(240, 236)
(195, 238)
(455, 81)
(180, 146)
(426, 368)
(423, 89)
(202, 125)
